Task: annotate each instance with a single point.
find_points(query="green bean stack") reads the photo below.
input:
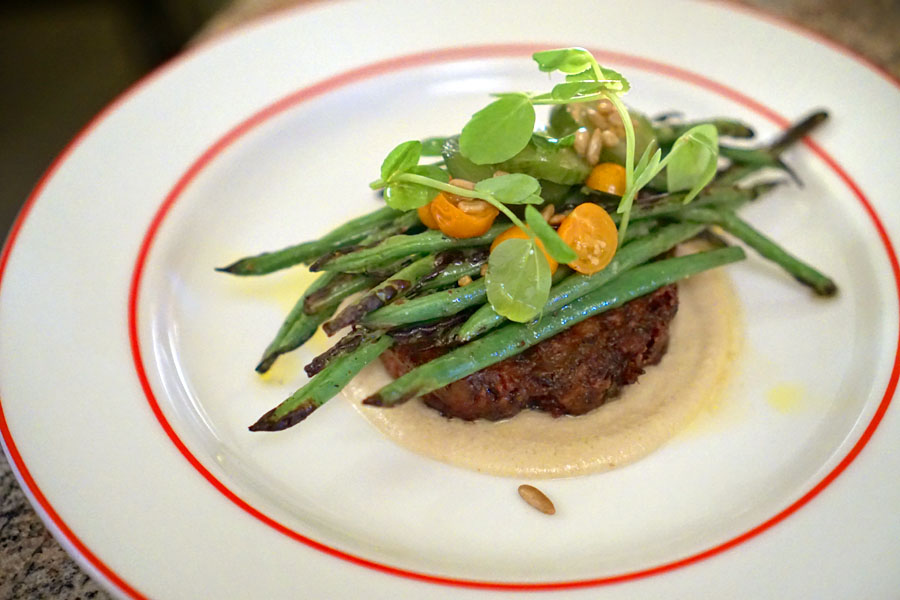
(412, 282)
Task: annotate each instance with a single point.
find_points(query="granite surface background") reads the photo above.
(32, 563)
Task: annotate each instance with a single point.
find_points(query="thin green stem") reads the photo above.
(538, 100)
(642, 178)
(438, 185)
(509, 214)
(630, 190)
(595, 67)
(465, 193)
(629, 136)
(623, 224)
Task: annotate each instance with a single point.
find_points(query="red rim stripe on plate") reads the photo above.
(90, 560)
(87, 558)
(412, 61)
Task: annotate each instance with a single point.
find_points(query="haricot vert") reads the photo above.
(517, 224)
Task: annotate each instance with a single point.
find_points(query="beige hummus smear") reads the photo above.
(704, 342)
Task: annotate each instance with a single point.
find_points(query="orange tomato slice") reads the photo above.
(426, 217)
(591, 233)
(607, 177)
(515, 232)
(461, 217)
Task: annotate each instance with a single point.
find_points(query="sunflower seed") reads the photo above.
(537, 499)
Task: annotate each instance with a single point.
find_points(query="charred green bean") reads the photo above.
(300, 325)
(350, 232)
(667, 132)
(383, 294)
(399, 246)
(577, 285)
(515, 338)
(803, 272)
(322, 387)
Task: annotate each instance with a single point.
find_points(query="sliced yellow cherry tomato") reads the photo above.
(461, 217)
(515, 232)
(591, 233)
(426, 217)
(607, 177)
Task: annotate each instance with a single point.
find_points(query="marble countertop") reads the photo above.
(32, 563)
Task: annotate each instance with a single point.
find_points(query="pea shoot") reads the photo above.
(518, 277)
(518, 281)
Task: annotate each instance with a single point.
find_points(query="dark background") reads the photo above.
(62, 61)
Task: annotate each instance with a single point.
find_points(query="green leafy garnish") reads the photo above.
(513, 114)
(433, 146)
(518, 280)
(586, 81)
(430, 171)
(514, 188)
(693, 160)
(690, 165)
(569, 91)
(498, 131)
(615, 81)
(404, 195)
(567, 60)
(401, 158)
(520, 290)
(554, 244)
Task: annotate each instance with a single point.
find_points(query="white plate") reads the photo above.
(126, 362)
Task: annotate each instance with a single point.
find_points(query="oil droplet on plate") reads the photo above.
(786, 398)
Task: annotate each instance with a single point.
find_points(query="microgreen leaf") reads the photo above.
(433, 146)
(515, 188)
(571, 90)
(518, 280)
(579, 65)
(691, 164)
(498, 131)
(555, 246)
(615, 81)
(546, 98)
(645, 157)
(567, 60)
(646, 169)
(642, 176)
(400, 159)
(586, 75)
(405, 195)
(510, 94)
(431, 171)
